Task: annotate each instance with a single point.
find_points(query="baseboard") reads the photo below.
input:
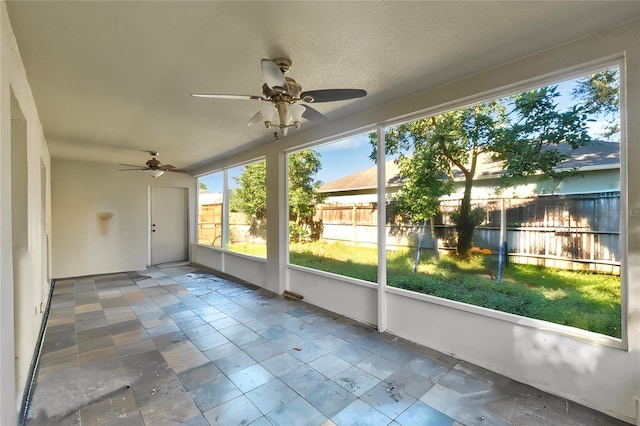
(35, 363)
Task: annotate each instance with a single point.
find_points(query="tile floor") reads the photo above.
(180, 345)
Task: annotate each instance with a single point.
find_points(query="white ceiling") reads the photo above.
(112, 79)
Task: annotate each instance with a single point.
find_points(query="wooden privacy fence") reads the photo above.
(570, 231)
(580, 227)
(210, 226)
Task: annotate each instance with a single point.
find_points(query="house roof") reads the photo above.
(596, 156)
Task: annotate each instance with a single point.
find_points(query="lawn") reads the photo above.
(250, 249)
(583, 300)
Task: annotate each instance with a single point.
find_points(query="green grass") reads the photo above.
(338, 258)
(250, 249)
(583, 300)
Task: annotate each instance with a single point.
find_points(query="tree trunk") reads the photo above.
(465, 225)
(432, 230)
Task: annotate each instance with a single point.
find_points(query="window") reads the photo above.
(333, 209)
(248, 209)
(514, 204)
(210, 209)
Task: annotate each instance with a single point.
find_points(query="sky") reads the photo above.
(346, 157)
(351, 155)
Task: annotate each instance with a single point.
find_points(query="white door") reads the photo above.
(168, 225)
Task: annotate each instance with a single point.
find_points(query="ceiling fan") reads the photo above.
(281, 96)
(154, 167)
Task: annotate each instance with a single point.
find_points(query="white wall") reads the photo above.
(23, 276)
(606, 180)
(336, 294)
(85, 245)
(597, 371)
(208, 256)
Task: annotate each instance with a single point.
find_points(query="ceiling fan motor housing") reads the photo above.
(294, 88)
(154, 163)
(283, 63)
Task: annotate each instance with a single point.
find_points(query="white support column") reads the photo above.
(225, 215)
(503, 221)
(9, 402)
(277, 222)
(382, 233)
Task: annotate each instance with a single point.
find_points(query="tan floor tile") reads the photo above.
(110, 352)
(184, 356)
(62, 312)
(114, 407)
(130, 337)
(170, 412)
(60, 320)
(47, 371)
(109, 294)
(90, 307)
(65, 355)
(117, 318)
(135, 295)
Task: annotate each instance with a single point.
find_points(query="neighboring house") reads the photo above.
(206, 197)
(599, 164)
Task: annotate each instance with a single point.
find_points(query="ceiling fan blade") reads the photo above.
(128, 170)
(257, 118)
(178, 171)
(166, 167)
(131, 165)
(273, 76)
(314, 115)
(330, 95)
(235, 97)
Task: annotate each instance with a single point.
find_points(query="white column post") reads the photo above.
(382, 233)
(277, 222)
(503, 222)
(225, 216)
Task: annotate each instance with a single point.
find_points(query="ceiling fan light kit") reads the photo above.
(281, 95)
(154, 173)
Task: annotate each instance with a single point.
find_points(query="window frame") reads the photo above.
(496, 93)
(226, 206)
(530, 84)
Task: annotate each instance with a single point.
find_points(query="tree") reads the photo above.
(251, 195)
(203, 186)
(600, 94)
(304, 195)
(524, 131)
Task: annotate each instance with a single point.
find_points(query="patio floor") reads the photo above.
(181, 345)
